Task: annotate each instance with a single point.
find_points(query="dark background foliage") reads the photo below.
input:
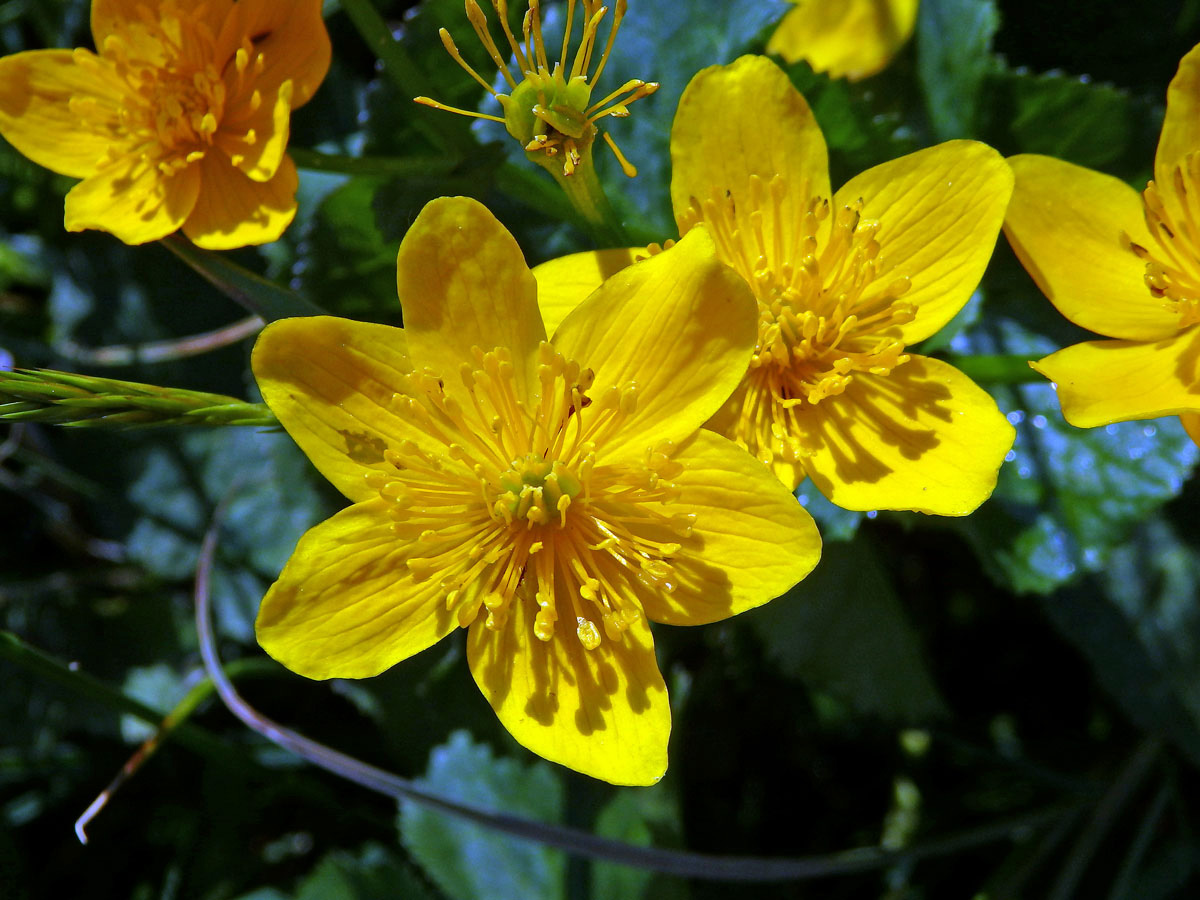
(1035, 664)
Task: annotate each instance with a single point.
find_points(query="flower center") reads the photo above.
(484, 501)
(174, 94)
(828, 309)
(1173, 263)
(536, 490)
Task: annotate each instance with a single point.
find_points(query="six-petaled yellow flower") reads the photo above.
(849, 39)
(550, 496)
(179, 119)
(1124, 266)
(845, 282)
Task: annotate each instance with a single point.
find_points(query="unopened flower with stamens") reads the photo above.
(1124, 266)
(550, 107)
(849, 39)
(846, 282)
(550, 496)
(179, 119)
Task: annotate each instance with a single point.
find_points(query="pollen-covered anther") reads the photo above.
(1173, 261)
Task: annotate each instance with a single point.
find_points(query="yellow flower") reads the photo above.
(551, 497)
(847, 38)
(845, 282)
(180, 120)
(550, 108)
(1124, 266)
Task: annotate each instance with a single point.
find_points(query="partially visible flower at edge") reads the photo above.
(845, 282)
(850, 39)
(549, 109)
(1122, 265)
(550, 496)
(179, 120)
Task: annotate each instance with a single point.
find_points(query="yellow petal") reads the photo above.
(108, 15)
(257, 139)
(846, 38)
(36, 93)
(292, 38)
(564, 283)
(602, 712)
(751, 541)
(939, 213)
(1181, 127)
(1065, 224)
(133, 200)
(463, 283)
(1100, 382)
(741, 120)
(345, 606)
(679, 326)
(235, 211)
(332, 383)
(1191, 424)
(924, 438)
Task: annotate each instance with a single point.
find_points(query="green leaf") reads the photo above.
(468, 861)
(1067, 497)
(275, 500)
(255, 293)
(954, 54)
(857, 133)
(637, 816)
(1142, 632)
(372, 873)
(347, 261)
(844, 632)
(1070, 118)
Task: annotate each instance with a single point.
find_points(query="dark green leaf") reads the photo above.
(470, 862)
(954, 54)
(844, 632)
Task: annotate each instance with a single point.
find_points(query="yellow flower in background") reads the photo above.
(845, 283)
(1122, 265)
(847, 38)
(549, 108)
(549, 496)
(179, 120)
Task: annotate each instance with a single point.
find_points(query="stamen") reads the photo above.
(512, 507)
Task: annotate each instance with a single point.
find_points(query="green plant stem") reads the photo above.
(195, 738)
(573, 840)
(89, 401)
(997, 369)
(382, 166)
(262, 297)
(586, 193)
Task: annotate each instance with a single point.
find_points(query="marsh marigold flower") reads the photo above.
(845, 283)
(1124, 266)
(849, 39)
(178, 120)
(550, 107)
(548, 496)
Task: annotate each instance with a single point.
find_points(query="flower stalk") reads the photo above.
(86, 401)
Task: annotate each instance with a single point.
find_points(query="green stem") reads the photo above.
(195, 738)
(997, 369)
(385, 166)
(586, 193)
(260, 296)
